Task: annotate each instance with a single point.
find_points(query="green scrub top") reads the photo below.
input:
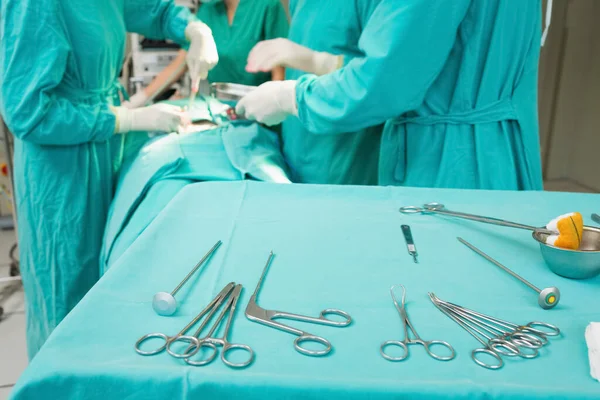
(59, 68)
(254, 21)
(457, 82)
(341, 157)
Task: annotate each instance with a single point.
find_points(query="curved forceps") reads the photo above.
(499, 337)
(212, 342)
(499, 343)
(194, 343)
(256, 313)
(529, 328)
(406, 324)
(486, 349)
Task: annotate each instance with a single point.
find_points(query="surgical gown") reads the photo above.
(456, 82)
(254, 20)
(350, 157)
(59, 63)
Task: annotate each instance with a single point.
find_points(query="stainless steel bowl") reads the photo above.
(575, 264)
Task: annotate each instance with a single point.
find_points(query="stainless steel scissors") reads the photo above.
(403, 344)
(212, 342)
(543, 328)
(498, 337)
(266, 317)
(194, 343)
(499, 341)
(486, 349)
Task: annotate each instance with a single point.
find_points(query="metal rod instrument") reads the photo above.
(547, 298)
(164, 303)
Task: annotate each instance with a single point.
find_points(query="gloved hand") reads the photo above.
(202, 55)
(270, 103)
(269, 54)
(137, 100)
(155, 118)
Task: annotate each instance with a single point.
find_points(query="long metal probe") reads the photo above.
(164, 303)
(547, 298)
(262, 277)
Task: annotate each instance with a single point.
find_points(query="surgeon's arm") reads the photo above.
(278, 74)
(33, 56)
(158, 19)
(276, 26)
(406, 44)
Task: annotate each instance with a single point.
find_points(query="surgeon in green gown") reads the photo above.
(60, 97)
(315, 39)
(455, 81)
(237, 25)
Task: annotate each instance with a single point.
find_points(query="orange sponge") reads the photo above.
(568, 228)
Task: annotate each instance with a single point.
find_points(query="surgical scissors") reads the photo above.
(267, 317)
(441, 209)
(406, 324)
(210, 341)
(521, 339)
(486, 349)
(502, 341)
(181, 336)
(549, 329)
(499, 343)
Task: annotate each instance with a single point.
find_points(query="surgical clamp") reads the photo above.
(181, 336)
(407, 341)
(507, 339)
(260, 315)
(212, 342)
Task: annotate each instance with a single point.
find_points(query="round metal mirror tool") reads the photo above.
(164, 303)
(547, 298)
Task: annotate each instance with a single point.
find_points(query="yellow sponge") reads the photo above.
(568, 228)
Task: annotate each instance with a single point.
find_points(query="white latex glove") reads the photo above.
(269, 54)
(155, 118)
(270, 103)
(136, 101)
(202, 55)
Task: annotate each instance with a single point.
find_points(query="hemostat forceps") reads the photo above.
(210, 341)
(194, 343)
(403, 344)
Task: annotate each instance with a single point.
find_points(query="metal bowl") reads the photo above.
(574, 264)
(229, 91)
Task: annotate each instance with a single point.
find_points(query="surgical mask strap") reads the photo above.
(547, 21)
